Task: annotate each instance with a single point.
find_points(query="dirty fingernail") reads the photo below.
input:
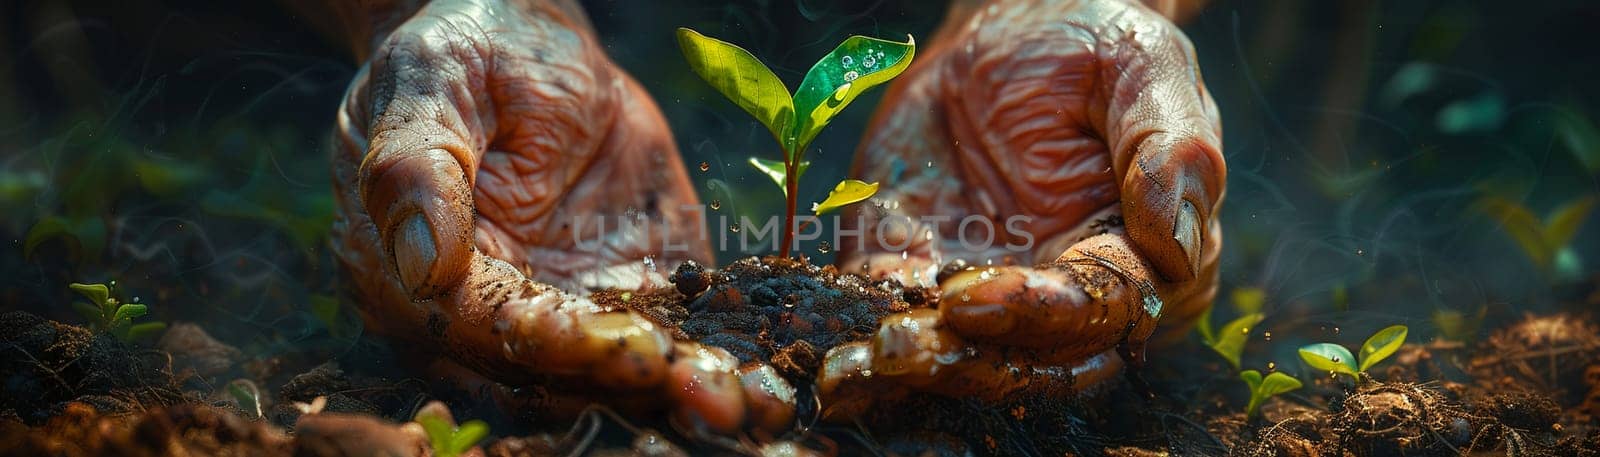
(414, 253)
(1186, 230)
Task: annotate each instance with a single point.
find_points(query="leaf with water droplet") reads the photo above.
(846, 192)
(1329, 357)
(742, 78)
(816, 103)
(774, 169)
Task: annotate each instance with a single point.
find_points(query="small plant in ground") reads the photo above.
(444, 437)
(1547, 242)
(107, 314)
(1336, 359)
(858, 64)
(1229, 340)
(1263, 388)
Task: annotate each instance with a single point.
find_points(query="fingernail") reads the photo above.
(1186, 229)
(414, 253)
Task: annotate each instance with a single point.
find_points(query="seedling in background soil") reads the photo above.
(446, 439)
(1262, 389)
(1229, 340)
(858, 64)
(106, 314)
(1336, 359)
(1547, 242)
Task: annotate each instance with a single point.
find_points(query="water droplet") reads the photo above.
(869, 62)
(1335, 359)
(704, 167)
(1267, 336)
(848, 62)
(866, 373)
(851, 76)
(1272, 366)
(1361, 252)
(650, 263)
(734, 228)
(1336, 330)
(716, 205)
(840, 93)
(1245, 330)
(824, 247)
(965, 298)
(930, 164)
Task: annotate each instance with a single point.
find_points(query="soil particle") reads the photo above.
(48, 363)
(194, 349)
(784, 312)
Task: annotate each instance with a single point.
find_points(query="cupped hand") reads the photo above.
(1072, 158)
(492, 164)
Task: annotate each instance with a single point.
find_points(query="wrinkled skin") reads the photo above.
(478, 131)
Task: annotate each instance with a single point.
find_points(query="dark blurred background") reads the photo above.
(1420, 162)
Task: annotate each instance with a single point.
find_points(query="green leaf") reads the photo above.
(1261, 390)
(1329, 357)
(1458, 325)
(246, 395)
(743, 79)
(468, 435)
(1278, 383)
(1523, 226)
(1248, 300)
(1204, 325)
(1229, 342)
(858, 64)
(1251, 378)
(138, 332)
(129, 312)
(846, 192)
(1381, 345)
(96, 293)
(1563, 223)
(774, 169)
(89, 312)
(439, 433)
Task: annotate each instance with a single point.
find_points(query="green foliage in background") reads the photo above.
(1546, 242)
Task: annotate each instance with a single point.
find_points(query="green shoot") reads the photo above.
(1546, 242)
(1229, 340)
(1262, 389)
(1334, 358)
(247, 396)
(1459, 325)
(105, 313)
(446, 439)
(858, 64)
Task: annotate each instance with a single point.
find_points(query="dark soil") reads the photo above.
(1529, 388)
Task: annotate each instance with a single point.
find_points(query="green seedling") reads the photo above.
(1262, 389)
(1229, 340)
(858, 64)
(105, 313)
(1548, 241)
(1336, 359)
(446, 439)
(247, 396)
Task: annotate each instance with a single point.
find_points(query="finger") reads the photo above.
(769, 399)
(912, 353)
(414, 118)
(1165, 139)
(500, 324)
(1095, 296)
(707, 392)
